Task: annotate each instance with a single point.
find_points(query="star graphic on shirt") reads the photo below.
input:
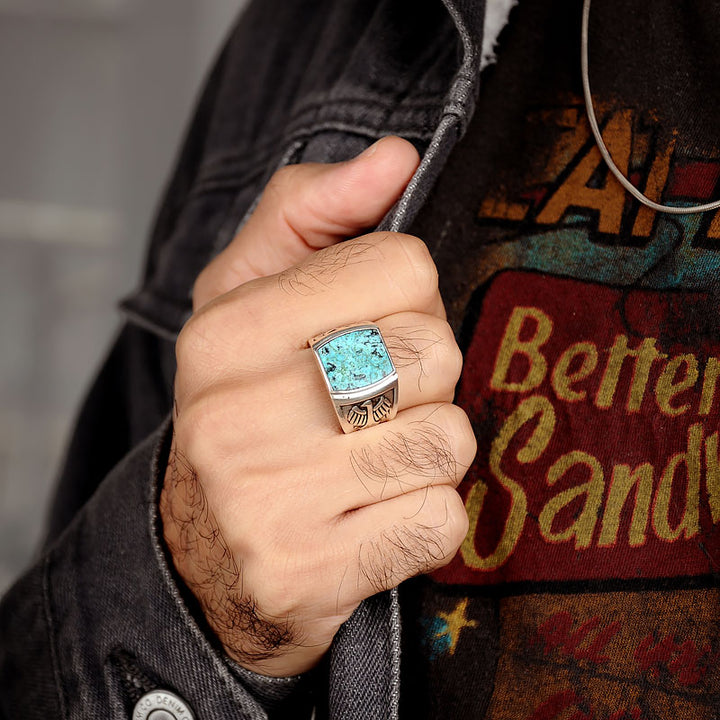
(456, 621)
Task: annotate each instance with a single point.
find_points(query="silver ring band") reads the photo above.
(359, 374)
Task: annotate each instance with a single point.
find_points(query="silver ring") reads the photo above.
(359, 375)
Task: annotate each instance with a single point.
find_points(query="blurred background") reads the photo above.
(94, 99)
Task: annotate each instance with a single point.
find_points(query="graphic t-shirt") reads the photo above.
(587, 587)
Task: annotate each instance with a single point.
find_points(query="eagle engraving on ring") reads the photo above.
(369, 412)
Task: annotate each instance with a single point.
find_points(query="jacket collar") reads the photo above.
(479, 24)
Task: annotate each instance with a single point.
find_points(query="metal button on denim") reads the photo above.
(161, 705)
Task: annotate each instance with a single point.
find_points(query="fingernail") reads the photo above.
(369, 151)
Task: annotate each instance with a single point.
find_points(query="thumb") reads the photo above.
(307, 207)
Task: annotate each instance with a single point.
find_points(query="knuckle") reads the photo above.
(426, 344)
(415, 250)
(451, 360)
(466, 440)
(242, 313)
(418, 261)
(438, 531)
(457, 523)
(456, 424)
(199, 342)
(411, 265)
(196, 431)
(210, 429)
(208, 340)
(191, 342)
(446, 515)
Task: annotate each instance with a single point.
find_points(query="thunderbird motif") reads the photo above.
(376, 408)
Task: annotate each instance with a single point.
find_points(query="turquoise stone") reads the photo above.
(355, 359)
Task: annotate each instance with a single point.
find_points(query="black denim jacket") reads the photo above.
(99, 619)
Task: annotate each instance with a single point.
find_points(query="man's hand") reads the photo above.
(278, 522)
(307, 207)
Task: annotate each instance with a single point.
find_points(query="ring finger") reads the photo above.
(426, 357)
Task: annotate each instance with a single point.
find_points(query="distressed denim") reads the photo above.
(100, 618)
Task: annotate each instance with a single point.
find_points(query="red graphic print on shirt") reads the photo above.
(608, 656)
(594, 499)
(599, 407)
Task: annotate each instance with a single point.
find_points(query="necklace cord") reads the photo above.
(671, 209)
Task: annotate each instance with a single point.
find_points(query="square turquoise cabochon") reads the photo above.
(355, 359)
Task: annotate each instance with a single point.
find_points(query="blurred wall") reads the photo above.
(94, 97)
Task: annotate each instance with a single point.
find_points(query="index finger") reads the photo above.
(362, 279)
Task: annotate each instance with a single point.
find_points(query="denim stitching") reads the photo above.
(51, 636)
